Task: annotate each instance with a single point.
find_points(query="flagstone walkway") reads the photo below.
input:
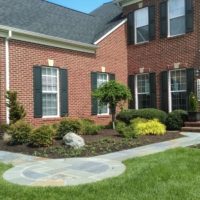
(35, 171)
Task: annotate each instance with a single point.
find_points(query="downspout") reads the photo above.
(7, 56)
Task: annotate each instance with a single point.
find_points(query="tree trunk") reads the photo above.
(113, 112)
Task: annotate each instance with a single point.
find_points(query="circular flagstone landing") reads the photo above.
(63, 172)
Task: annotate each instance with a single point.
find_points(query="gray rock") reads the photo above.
(73, 140)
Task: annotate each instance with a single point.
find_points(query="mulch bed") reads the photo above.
(106, 141)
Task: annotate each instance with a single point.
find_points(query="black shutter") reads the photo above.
(111, 77)
(163, 19)
(152, 80)
(37, 90)
(63, 92)
(152, 23)
(164, 91)
(131, 28)
(94, 87)
(189, 10)
(190, 75)
(131, 84)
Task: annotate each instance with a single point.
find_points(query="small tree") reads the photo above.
(17, 111)
(193, 103)
(112, 93)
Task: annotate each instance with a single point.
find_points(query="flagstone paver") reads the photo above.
(35, 171)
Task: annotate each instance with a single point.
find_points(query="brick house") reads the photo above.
(54, 57)
(163, 52)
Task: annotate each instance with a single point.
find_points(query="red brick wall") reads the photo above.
(112, 54)
(161, 54)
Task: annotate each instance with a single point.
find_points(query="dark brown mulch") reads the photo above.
(105, 142)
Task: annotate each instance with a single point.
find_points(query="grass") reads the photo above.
(172, 175)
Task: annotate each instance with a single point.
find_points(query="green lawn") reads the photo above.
(170, 175)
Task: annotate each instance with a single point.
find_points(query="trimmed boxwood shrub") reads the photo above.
(183, 114)
(88, 127)
(20, 132)
(125, 130)
(66, 126)
(147, 113)
(42, 136)
(176, 119)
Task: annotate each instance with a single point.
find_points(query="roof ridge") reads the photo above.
(109, 2)
(67, 8)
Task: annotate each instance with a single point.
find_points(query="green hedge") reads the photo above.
(66, 126)
(20, 132)
(42, 136)
(147, 113)
(175, 120)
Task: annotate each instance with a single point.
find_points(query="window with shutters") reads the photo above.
(101, 79)
(178, 89)
(141, 17)
(142, 91)
(176, 17)
(50, 92)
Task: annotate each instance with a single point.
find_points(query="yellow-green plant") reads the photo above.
(148, 127)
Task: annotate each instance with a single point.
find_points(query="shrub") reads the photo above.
(174, 121)
(125, 130)
(4, 128)
(183, 114)
(127, 115)
(147, 113)
(55, 129)
(17, 111)
(42, 136)
(87, 127)
(148, 127)
(20, 132)
(66, 126)
(193, 102)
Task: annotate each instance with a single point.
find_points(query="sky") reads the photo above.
(81, 5)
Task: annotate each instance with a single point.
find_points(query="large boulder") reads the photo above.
(73, 140)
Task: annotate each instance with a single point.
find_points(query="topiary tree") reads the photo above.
(193, 103)
(112, 93)
(17, 111)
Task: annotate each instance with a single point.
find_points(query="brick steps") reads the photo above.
(192, 124)
(191, 127)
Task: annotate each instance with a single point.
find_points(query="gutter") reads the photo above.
(7, 70)
(38, 38)
(124, 3)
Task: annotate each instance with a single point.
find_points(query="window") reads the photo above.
(178, 89)
(142, 91)
(142, 25)
(50, 92)
(176, 17)
(101, 79)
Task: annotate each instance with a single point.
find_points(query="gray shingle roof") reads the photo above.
(47, 18)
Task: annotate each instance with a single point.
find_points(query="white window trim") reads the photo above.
(58, 97)
(136, 90)
(198, 88)
(170, 91)
(136, 93)
(108, 109)
(135, 29)
(168, 21)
